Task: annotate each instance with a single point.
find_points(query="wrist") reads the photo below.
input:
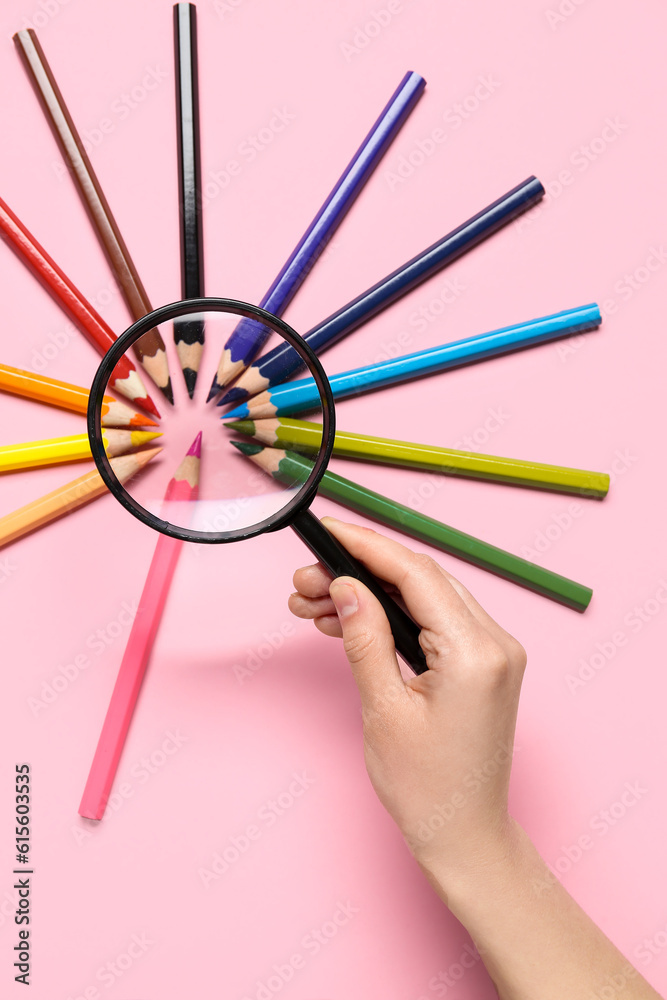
(490, 862)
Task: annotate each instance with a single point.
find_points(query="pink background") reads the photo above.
(553, 83)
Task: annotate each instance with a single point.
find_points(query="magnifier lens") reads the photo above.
(234, 497)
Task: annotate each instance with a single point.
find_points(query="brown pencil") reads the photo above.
(70, 496)
(150, 349)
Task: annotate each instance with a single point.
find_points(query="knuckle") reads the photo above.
(518, 654)
(435, 646)
(424, 562)
(496, 665)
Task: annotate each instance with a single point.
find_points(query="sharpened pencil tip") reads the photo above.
(142, 458)
(242, 426)
(140, 438)
(190, 376)
(247, 448)
(168, 392)
(195, 447)
(147, 404)
(139, 420)
(239, 413)
(233, 395)
(214, 390)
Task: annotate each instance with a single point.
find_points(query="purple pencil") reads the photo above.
(249, 336)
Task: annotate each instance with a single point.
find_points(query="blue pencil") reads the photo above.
(294, 397)
(249, 336)
(283, 361)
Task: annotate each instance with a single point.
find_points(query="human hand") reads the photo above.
(438, 746)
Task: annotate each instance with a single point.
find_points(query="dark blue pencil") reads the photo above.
(249, 336)
(303, 394)
(283, 361)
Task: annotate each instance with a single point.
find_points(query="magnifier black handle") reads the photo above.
(339, 562)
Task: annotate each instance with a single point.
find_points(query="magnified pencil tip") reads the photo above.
(195, 447)
(247, 448)
(238, 413)
(168, 392)
(214, 390)
(190, 376)
(233, 395)
(242, 426)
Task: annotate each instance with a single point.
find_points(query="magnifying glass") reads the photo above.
(235, 500)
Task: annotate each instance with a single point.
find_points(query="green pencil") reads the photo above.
(288, 466)
(306, 436)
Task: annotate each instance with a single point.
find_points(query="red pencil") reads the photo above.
(125, 378)
(184, 486)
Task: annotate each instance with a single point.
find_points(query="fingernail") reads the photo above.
(345, 599)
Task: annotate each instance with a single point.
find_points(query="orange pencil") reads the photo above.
(69, 497)
(69, 397)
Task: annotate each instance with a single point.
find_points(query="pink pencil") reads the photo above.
(183, 486)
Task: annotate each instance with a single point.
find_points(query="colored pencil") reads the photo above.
(303, 394)
(283, 360)
(70, 496)
(250, 336)
(306, 436)
(188, 334)
(150, 350)
(125, 378)
(288, 466)
(139, 644)
(75, 448)
(68, 397)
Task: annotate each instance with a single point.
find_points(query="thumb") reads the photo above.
(368, 642)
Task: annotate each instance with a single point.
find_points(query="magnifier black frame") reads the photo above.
(165, 314)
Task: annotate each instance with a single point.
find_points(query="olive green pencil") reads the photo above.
(306, 436)
(288, 466)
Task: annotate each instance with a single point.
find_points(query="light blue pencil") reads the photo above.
(294, 397)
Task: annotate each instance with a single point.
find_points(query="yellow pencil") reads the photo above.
(75, 448)
(305, 436)
(69, 497)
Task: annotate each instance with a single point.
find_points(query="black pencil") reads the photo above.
(188, 334)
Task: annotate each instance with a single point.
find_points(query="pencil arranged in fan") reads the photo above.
(70, 496)
(188, 334)
(74, 448)
(306, 436)
(183, 487)
(150, 349)
(125, 378)
(283, 360)
(68, 397)
(303, 394)
(249, 336)
(288, 466)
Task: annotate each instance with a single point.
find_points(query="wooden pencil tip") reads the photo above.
(234, 395)
(140, 420)
(168, 392)
(140, 438)
(142, 458)
(246, 448)
(214, 390)
(195, 447)
(190, 376)
(148, 404)
(242, 426)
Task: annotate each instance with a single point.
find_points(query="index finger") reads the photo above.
(429, 596)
